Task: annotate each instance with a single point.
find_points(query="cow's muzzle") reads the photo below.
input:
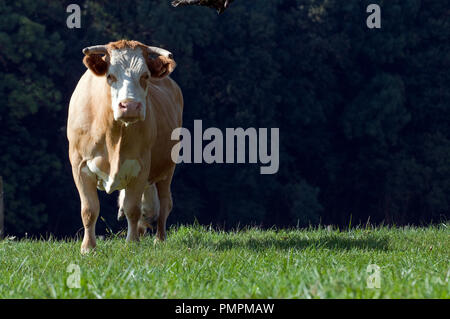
(130, 111)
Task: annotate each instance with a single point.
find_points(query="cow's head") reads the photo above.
(127, 67)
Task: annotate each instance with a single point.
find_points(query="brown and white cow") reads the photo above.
(121, 117)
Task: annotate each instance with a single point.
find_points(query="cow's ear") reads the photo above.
(96, 64)
(161, 66)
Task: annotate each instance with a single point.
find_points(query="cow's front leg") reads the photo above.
(165, 199)
(142, 228)
(90, 207)
(131, 205)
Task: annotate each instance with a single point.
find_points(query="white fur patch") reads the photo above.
(127, 66)
(128, 170)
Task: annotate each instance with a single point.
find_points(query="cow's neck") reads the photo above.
(117, 157)
(119, 142)
(115, 137)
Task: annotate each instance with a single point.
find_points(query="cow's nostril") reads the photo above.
(130, 106)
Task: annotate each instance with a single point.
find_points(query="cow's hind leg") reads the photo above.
(150, 206)
(121, 212)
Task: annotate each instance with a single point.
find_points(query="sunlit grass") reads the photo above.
(197, 262)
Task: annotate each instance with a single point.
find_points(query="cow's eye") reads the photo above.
(144, 79)
(111, 78)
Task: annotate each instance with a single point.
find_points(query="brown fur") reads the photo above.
(125, 44)
(93, 133)
(96, 64)
(161, 66)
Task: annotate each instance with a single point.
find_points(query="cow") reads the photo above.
(120, 120)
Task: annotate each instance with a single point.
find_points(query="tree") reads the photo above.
(219, 5)
(363, 113)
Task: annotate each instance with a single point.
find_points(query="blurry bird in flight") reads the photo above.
(219, 5)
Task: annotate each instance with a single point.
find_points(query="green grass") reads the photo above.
(196, 262)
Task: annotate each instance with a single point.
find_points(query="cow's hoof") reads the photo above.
(87, 250)
(142, 230)
(159, 238)
(120, 214)
(149, 222)
(134, 238)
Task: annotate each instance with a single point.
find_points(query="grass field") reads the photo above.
(196, 262)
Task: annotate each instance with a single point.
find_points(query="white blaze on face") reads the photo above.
(128, 76)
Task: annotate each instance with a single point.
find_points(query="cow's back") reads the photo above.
(167, 103)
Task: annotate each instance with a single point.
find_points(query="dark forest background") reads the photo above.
(364, 114)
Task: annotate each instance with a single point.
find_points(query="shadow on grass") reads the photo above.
(368, 242)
